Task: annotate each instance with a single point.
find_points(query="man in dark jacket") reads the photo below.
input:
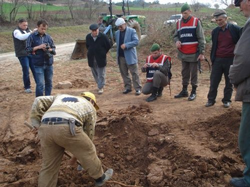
(42, 48)
(224, 38)
(20, 35)
(98, 45)
(239, 75)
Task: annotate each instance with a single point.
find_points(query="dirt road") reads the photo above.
(62, 51)
(169, 142)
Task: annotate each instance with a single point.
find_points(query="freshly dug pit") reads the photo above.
(141, 152)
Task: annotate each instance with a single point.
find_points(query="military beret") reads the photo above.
(185, 7)
(219, 13)
(155, 47)
(93, 26)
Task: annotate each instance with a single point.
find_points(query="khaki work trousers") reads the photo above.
(124, 68)
(159, 80)
(189, 69)
(57, 138)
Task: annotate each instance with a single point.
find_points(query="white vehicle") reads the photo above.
(173, 19)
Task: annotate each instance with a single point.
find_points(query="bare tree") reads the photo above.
(92, 8)
(43, 9)
(71, 5)
(196, 5)
(225, 2)
(216, 5)
(142, 3)
(14, 9)
(156, 2)
(29, 7)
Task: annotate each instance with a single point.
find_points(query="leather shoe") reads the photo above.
(192, 97)
(151, 98)
(126, 91)
(100, 91)
(183, 93)
(239, 182)
(138, 92)
(107, 175)
(226, 104)
(209, 103)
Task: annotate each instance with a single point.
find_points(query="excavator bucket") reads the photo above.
(80, 50)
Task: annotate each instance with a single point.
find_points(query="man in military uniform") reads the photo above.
(190, 42)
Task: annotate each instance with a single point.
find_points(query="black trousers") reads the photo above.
(220, 66)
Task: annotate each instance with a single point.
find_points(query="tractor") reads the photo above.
(137, 22)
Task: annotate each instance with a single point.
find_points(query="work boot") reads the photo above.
(105, 177)
(160, 92)
(183, 93)
(193, 94)
(153, 96)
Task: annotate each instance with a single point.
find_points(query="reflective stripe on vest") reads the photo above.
(151, 70)
(187, 35)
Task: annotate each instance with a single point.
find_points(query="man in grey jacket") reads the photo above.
(127, 40)
(239, 75)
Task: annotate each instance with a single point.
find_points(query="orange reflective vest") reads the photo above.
(187, 35)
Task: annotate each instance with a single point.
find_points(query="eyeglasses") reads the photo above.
(119, 27)
(94, 30)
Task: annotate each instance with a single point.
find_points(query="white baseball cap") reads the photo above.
(119, 22)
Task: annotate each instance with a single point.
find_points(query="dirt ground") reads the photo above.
(166, 143)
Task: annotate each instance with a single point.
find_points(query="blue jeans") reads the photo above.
(26, 64)
(44, 75)
(99, 75)
(244, 139)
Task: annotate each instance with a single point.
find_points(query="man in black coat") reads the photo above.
(224, 38)
(98, 45)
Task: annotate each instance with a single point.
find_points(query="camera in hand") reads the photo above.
(48, 53)
(47, 46)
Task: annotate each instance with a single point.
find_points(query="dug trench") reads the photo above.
(142, 152)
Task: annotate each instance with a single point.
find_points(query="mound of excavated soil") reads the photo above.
(80, 83)
(169, 142)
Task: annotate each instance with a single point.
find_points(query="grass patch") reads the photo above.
(60, 35)
(7, 7)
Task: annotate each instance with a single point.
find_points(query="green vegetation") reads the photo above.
(36, 7)
(60, 15)
(60, 35)
(237, 16)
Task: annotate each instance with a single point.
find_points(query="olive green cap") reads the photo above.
(185, 7)
(155, 47)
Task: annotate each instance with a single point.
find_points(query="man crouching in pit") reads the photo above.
(158, 73)
(67, 122)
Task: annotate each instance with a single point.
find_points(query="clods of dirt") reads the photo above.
(141, 151)
(80, 83)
